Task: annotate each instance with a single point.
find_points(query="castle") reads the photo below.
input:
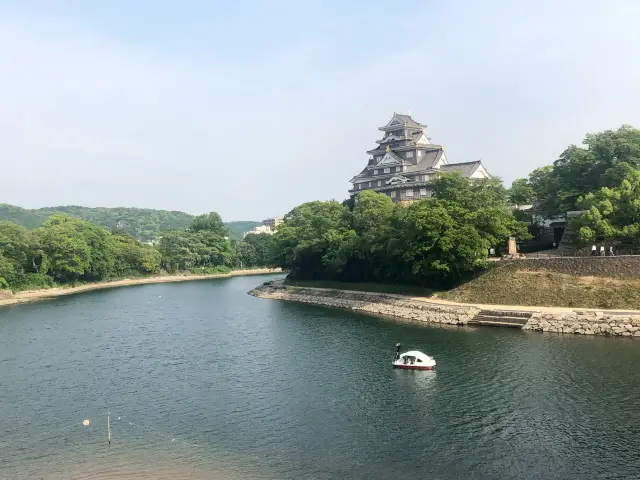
(405, 161)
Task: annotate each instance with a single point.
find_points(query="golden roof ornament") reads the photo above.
(388, 148)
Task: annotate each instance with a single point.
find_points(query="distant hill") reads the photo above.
(143, 223)
(237, 229)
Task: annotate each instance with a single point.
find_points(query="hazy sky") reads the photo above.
(250, 108)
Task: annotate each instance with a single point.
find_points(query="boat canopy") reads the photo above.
(418, 355)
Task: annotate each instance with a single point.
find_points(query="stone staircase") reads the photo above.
(501, 318)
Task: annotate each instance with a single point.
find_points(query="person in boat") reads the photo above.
(397, 355)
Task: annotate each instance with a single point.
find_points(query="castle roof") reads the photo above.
(399, 120)
(466, 169)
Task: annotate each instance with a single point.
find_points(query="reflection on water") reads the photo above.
(203, 381)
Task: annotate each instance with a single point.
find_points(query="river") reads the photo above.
(204, 381)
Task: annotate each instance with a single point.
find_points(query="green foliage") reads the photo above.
(142, 223)
(429, 243)
(261, 250)
(521, 192)
(237, 229)
(67, 249)
(210, 222)
(580, 171)
(186, 250)
(612, 212)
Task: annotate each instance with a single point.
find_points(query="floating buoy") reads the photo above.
(86, 422)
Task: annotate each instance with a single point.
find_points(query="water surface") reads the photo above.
(204, 381)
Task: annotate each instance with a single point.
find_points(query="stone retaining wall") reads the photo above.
(5, 294)
(585, 323)
(369, 302)
(575, 322)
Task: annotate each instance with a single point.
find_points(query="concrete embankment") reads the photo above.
(8, 298)
(557, 320)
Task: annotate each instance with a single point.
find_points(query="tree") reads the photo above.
(612, 214)
(68, 252)
(431, 242)
(521, 192)
(306, 235)
(245, 254)
(580, 171)
(210, 222)
(263, 249)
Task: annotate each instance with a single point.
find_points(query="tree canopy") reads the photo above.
(430, 242)
(68, 249)
(580, 170)
(144, 224)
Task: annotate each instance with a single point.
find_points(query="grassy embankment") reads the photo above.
(522, 284)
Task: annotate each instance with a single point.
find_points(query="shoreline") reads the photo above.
(44, 293)
(578, 321)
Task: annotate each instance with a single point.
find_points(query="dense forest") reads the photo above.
(144, 224)
(602, 178)
(432, 242)
(66, 249)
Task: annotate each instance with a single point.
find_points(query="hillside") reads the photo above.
(143, 223)
(237, 229)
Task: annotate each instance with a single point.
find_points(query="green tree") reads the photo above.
(245, 254)
(431, 242)
(309, 231)
(521, 192)
(263, 247)
(612, 212)
(580, 170)
(210, 222)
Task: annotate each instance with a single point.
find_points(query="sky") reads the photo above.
(250, 108)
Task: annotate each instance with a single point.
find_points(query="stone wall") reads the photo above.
(5, 294)
(610, 323)
(585, 323)
(370, 303)
(623, 266)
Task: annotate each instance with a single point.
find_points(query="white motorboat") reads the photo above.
(413, 360)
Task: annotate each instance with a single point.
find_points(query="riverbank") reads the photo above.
(433, 310)
(32, 295)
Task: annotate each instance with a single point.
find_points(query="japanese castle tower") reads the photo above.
(404, 162)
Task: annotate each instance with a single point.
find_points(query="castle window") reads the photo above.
(404, 169)
(375, 172)
(423, 192)
(379, 182)
(387, 170)
(419, 153)
(369, 184)
(359, 186)
(409, 154)
(397, 169)
(409, 192)
(393, 194)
